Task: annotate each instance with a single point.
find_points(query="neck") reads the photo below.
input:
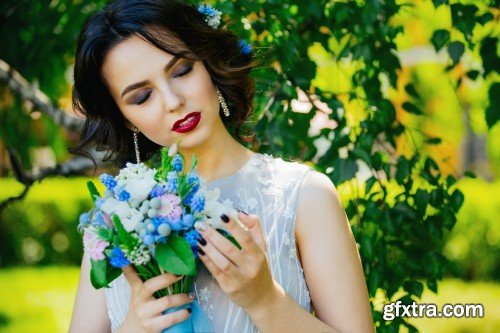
(219, 156)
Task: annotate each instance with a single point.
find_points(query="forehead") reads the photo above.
(133, 60)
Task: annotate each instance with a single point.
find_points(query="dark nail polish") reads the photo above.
(189, 310)
(224, 218)
(202, 241)
(200, 251)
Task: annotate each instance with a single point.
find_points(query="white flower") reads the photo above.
(138, 180)
(214, 209)
(129, 216)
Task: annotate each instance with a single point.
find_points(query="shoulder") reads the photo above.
(280, 166)
(320, 202)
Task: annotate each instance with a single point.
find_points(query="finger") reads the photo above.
(221, 278)
(243, 237)
(252, 223)
(224, 245)
(161, 304)
(157, 283)
(219, 259)
(132, 277)
(162, 322)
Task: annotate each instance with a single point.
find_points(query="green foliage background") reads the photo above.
(383, 150)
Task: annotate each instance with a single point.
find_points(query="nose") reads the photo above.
(172, 100)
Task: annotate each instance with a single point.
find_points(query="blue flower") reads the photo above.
(188, 220)
(192, 237)
(206, 9)
(84, 220)
(117, 258)
(108, 181)
(197, 203)
(148, 239)
(123, 195)
(177, 162)
(245, 47)
(172, 182)
(175, 225)
(157, 191)
(98, 219)
(99, 202)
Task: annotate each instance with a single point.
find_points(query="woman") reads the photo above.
(157, 72)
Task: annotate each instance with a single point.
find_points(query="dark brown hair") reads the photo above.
(174, 27)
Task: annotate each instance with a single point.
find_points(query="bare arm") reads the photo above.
(332, 266)
(90, 313)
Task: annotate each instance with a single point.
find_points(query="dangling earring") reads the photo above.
(136, 145)
(225, 109)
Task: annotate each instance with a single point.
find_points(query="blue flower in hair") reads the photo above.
(245, 47)
(212, 15)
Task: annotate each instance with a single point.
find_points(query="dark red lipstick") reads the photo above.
(188, 123)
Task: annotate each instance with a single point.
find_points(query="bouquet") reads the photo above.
(146, 218)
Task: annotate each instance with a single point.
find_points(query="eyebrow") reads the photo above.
(134, 86)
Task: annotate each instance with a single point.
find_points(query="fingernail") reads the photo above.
(202, 241)
(191, 295)
(200, 251)
(224, 218)
(189, 310)
(201, 226)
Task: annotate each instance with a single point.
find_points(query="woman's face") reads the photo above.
(168, 99)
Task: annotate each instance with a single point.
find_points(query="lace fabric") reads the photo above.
(269, 188)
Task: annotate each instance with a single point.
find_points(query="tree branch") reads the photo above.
(20, 86)
(75, 166)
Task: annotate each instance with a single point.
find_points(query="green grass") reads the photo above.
(37, 299)
(457, 291)
(41, 300)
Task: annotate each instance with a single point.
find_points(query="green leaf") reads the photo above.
(421, 200)
(457, 199)
(440, 38)
(473, 74)
(414, 287)
(343, 170)
(93, 191)
(438, 3)
(412, 108)
(433, 141)
(410, 89)
(493, 111)
(123, 236)
(456, 50)
(230, 237)
(432, 285)
(176, 256)
(470, 174)
(369, 184)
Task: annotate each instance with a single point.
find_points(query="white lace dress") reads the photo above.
(267, 187)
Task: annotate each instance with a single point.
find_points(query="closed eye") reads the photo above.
(184, 72)
(143, 98)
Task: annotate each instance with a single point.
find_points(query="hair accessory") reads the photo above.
(136, 145)
(245, 47)
(212, 15)
(222, 101)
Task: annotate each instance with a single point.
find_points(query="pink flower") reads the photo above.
(170, 206)
(94, 246)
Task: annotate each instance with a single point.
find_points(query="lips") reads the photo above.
(188, 123)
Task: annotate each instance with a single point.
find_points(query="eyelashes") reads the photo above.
(142, 98)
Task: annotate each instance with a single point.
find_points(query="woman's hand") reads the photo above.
(244, 275)
(145, 312)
